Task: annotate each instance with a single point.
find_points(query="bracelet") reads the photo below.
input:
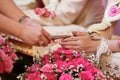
(95, 37)
(103, 48)
(95, 32)
(22, 18)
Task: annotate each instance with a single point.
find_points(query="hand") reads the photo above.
(80, 41)
(33, 34)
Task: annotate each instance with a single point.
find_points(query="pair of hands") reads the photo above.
(80, 41)
(33, 34)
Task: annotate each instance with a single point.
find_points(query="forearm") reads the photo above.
(9, 26)
(109, 31)
(8, 8)
(114, 46)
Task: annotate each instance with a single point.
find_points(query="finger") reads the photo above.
(78, 33)
(73, 38)
(72, 47)
(40, 43)
(47, 35)
(45, 41)
(70, 43)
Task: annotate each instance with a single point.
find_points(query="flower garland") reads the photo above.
(112, 13)
(62, 64)
(7, 55)
(49, 10)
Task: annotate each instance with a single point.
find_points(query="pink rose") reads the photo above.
(78, 61)
(47, 68)
(1, 39)
(2, 67)
(53, 14)
(92, 69)
(62, 65)
(58, 51)
(2, 54)
(46, 59)
(34, 67)
(69, 51)
(50, 76)
(56, 56)
(66, 77)
(34, 76)
(86, 75)
(14, 56)
(69, 56)
(8, 64)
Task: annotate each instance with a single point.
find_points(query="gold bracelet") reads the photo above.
(22, 18)
(94, 37)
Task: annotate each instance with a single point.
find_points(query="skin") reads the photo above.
(82, 41)
(29, 31)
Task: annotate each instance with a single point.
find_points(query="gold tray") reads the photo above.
(31, 50)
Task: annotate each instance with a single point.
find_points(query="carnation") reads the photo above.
(63, 64)
(7, 55)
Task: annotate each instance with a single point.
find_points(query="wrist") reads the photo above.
(96, 45)
(23, 19)
(114, 45)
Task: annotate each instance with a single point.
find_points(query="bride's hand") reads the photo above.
(80, 41)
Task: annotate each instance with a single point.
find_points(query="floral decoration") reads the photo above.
(7, 55)
(63, 64)
(114, 10)
(44, 12)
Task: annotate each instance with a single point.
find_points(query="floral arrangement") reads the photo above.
(44, 12)
(48, 10)
(7, 55)
(62, 64)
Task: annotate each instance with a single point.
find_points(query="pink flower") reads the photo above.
(2, 67)
(78, 61)
(62, 65)
(69, 51)
(46, 59)
(47, 68)
(1, 40)
(114, 10)
(92, 69)
(2, 54)
(42, 11)
(8, 64)
(34, 67)
(36, 10)
(50, 76)
(14, 56)
(66, 77)
(34, 76)
(53, 14)
(56, 56)
(86, 75)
